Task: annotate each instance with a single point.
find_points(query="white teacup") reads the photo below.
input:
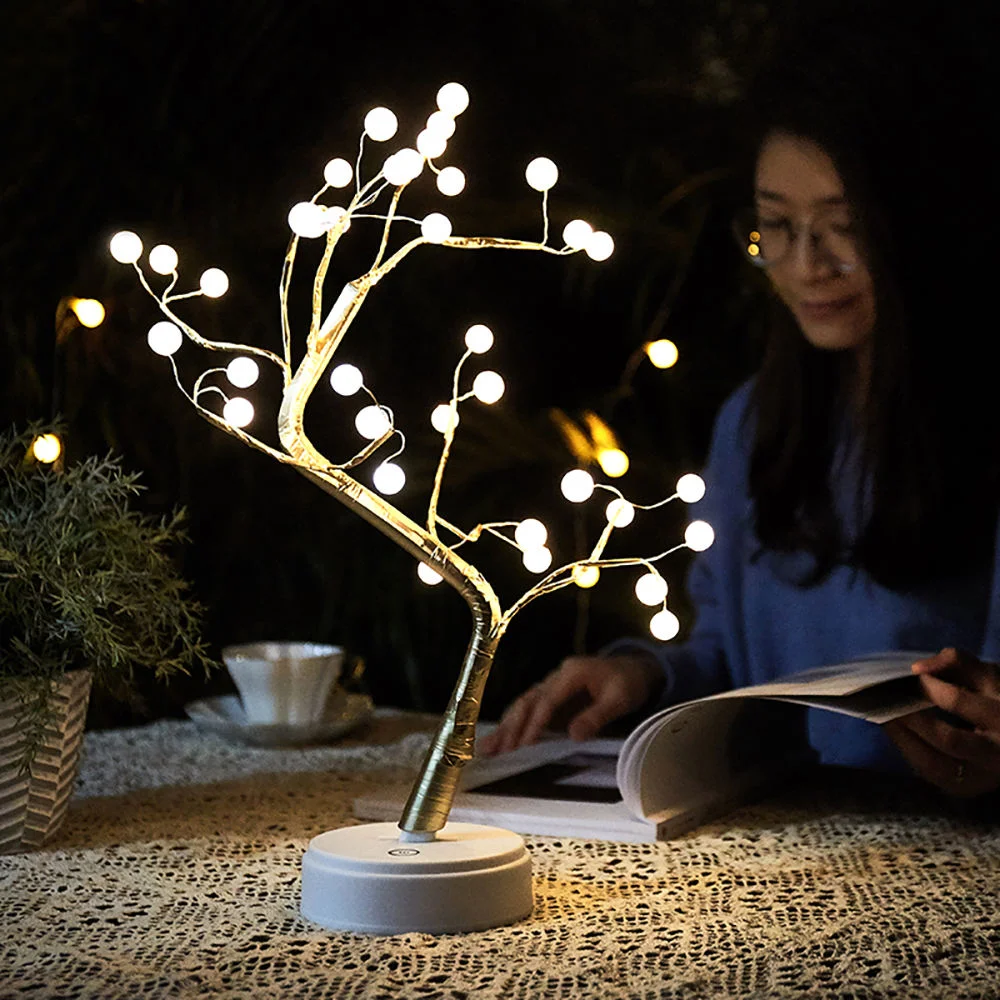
(284, 682)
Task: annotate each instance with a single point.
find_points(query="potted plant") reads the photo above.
(88, 591)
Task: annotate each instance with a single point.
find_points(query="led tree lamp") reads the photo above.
(424, 874)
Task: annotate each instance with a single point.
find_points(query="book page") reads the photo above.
(722, 746)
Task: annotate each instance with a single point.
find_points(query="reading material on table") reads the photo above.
(680, 767)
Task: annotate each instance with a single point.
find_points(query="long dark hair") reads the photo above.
(902, 110)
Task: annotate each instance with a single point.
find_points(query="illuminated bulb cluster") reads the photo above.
(581, 235)
(403, 166)
(374, 422)
(578, 486)
(530, 536)
(310, 220)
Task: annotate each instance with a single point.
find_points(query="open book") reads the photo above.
(680, 767)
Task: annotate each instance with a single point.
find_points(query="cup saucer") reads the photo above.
(224, 715)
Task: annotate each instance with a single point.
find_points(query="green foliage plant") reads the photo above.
(85, 582)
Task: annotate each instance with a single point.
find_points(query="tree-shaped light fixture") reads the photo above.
(424, 874)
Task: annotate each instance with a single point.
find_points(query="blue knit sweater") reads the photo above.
(754, 624)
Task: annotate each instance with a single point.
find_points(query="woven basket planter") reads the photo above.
(33, 804)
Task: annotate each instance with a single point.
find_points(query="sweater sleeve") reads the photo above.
(699, 665)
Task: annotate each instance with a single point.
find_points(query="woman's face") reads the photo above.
(820, 275)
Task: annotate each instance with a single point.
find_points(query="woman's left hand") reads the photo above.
(964, 762)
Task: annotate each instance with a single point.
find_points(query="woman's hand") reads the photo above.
(585, 693)
(964, 762)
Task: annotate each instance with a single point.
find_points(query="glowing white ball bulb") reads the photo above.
(662, 353)
(537, 560)
(435, 228)
(403, 166)
(429, 576)
(214, 282)
(541, 173)
(664, 625)
(651, 589)
(90, 312)
(306, 219)
(451, 181)
(620, 513)
(488, 387)
(576, 234)
(577, 485)
(431, 144)
(613, 462)
(333, 214)
(479, 338)
(163, 259)
(380, 124)
(242, 372)
(389, 478)
(372, 422)
(338, 173)
(690, 488)
(453, 99)
(600, 245)
(238, 412)
(586, 577)
(441, 124)
(46, 448)
(164, 338)
(698, 536)
(346, 380)
(125, 247)
(531, 533)
(444, 418)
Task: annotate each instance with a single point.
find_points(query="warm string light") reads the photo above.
(375, 423)
(89, 312)
(46, 448)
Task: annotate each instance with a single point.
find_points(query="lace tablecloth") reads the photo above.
(177, 875)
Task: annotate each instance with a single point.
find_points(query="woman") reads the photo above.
(853, 484)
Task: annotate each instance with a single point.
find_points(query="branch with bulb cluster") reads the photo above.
(452, 746)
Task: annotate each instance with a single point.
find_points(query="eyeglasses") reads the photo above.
(767, 238)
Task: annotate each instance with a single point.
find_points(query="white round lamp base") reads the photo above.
(369, 879)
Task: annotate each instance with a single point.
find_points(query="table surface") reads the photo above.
(177, 875)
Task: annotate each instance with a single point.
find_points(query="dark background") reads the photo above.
(201, 124)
